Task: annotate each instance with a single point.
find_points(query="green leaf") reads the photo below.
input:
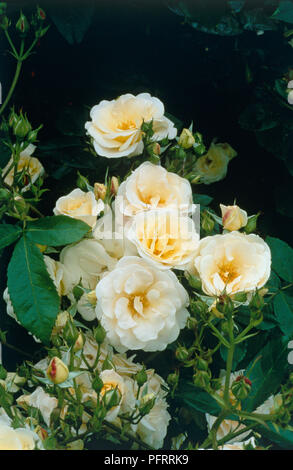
(202, 199)
(32, 291)
(282, 258)
(198, 399)
(283, 308)
(72, 21)
(8, 234)
(281, 437)
(284, 12)
(57, 230)
(266, 372)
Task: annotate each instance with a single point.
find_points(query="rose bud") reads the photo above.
(186, 139)
(114, 185)
(57, 371)
(100, 191)
(233, 217)
(78, 343)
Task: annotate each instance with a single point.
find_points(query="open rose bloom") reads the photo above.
(231, 263)
(116, 125)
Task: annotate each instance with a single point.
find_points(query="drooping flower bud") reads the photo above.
(22, 24)
(173, 379)
(186, 139)
(57, 371)
(233, 217)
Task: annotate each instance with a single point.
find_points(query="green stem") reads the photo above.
(229, 363)
(14, 82)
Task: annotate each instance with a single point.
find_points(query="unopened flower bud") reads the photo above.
(141, 377)
(240, 297)
(100, 191)
(99, 334)
(97, 384)
(41, 15)
(75, 445)
(154, 149)
(57, 371)
(186, 139)
(198, 308)
(173, 379)
(114, 185)
(207, 222)
(70, 333)
(241, 387)
(201, 364)
(201, 379)
(192, 323)
(22, 24)
(147, 403)
(233, 218)
(21, 126)
(78, 343)
(182, 353)
(257, 301)
(92, 298)
(82, 182)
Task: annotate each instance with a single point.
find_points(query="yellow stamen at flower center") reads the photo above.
(127, 124)
(227, 271)
(109, 386)
(137, 305)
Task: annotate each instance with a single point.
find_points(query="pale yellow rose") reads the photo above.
(140, 306)
(164, 238)
(17, 439)
(152, 428)
(153, 187)
(41, 400)
(233, 262)
(116, 125)
(85, 262)
(80, 205)
(26, 162)
(233, 217)
(213, 166)
(124, 385)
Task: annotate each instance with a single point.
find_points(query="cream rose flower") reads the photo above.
(213, 165)
(115, 125)
(233, 262)
(163, 237)
(153, 187)
(26, 162)
(141, 307)
(233, 217)
(80, 205)
(17, 439)
(124, 386)
(86, 261)
(152, 428)
(40, 400)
